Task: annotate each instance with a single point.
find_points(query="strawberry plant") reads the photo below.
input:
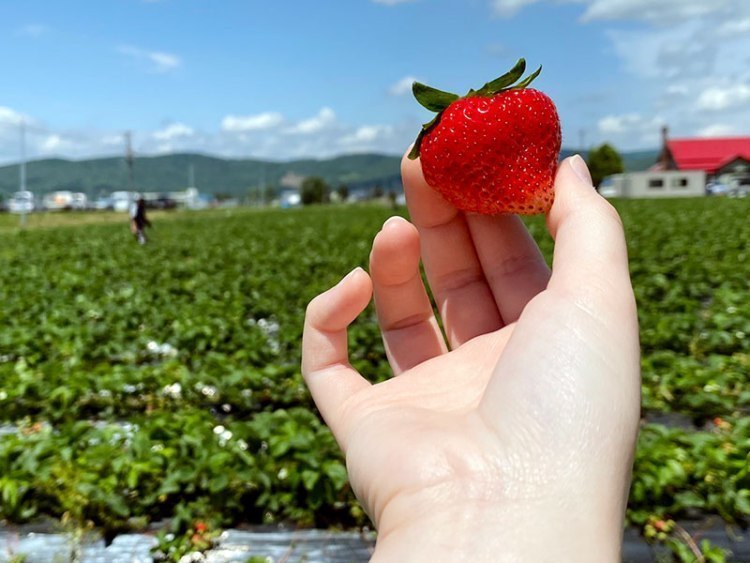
(139, 384)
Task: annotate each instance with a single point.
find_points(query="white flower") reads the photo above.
(168, 350)
(270, 329)
(165, 350)
(283, 473)
(241, 444)
(174, 390)
(219, 429)
(3, 395)
(192, 557)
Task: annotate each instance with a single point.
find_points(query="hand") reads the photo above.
(513, 440)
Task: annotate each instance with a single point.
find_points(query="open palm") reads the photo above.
(530, 409)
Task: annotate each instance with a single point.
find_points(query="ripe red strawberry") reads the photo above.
(494, 150)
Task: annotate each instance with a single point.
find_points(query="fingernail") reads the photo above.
(350, 274)
(579, 167)
(393, 220)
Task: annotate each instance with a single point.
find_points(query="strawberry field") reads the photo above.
(161, 383)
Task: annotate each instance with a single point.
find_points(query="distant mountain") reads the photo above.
(212, 174)
(235, 177)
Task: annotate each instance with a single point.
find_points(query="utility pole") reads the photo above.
(129, 160)
(22, 167)
(22, 171)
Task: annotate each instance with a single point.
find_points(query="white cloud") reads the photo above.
(717, 130)
(391, 2)
(402, 87)
(509, 8)
(677, 90)
(173, 131)
(33, 30)
(658, 12)
(53, 142)
(717, 98)
(254, 136)
(112, 140)
(156, 61)
(323, 120)
(684, 60)
(164, 62)
(11, 117)
(364, 135)
(619, 123)
(631, 128)
(675, 53)
(734, 27)
(238, 123)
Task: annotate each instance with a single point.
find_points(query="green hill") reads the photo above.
(236, 177)
(212, 174)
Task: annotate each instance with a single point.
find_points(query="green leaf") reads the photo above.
(528, 80)
(414, 152)
(309, 478)
(218, 483)
(505, 80)
(336, 472)
(432, 98)
(743, 502)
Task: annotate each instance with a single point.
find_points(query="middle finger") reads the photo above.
(454, 271)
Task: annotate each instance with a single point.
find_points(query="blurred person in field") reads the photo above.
(138, 220)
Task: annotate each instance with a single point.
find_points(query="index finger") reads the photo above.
(454, 270)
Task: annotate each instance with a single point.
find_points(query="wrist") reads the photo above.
(549, 529)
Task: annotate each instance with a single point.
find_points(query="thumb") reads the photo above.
(589, 238)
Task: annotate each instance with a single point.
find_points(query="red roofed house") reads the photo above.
(688, 168)
(724, 160)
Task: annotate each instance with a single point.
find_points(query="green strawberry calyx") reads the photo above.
(437, 100)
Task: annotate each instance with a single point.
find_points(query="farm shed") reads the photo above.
(655, 184)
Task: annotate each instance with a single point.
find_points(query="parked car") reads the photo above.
(21, 202)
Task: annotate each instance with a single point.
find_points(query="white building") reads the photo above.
(65, 199)
(122, 200)
(655, 184)
(21, 202)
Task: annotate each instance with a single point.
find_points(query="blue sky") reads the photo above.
(283, 80)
